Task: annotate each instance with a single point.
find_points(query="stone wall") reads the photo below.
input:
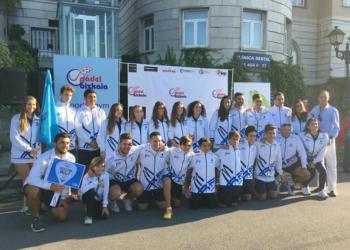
(224, 25)
(5, 120)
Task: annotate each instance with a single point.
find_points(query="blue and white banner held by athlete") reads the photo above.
(148, 84)
(99, 74)
(48, 124)
(64, 173)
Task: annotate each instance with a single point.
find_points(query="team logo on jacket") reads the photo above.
(177, 93)
(198, 161)
(84, 80)
(227, 153)
(218, 94)
(137, 91)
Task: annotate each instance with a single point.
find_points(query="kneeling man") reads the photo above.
(38, 192)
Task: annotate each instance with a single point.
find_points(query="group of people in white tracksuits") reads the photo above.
(234, 156)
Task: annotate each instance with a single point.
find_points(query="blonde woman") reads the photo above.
(137, 126)
(23, 133)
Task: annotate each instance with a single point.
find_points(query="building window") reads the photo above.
(295, 53)
(252, 30)
(45, 41)
(195, 28)
(299, 2)
(148, 34)
(346, 2)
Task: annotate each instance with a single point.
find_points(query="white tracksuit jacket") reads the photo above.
(178, 165)
(198, 128)
(122, 168)
(231, 173)
(92, 183)
(109, 142)
(315, 149)
(218, 130)
(238, 119)
(203, 175)
(153, 167)
(65, 118)
(178, 131)
(298, 126)
(248, 157)
(41, 165)
(87, 125)
(22, 144)
(162, 129)
(291, 149)
(259, 120)
(139, 135)
(279, 116)
(268, 160)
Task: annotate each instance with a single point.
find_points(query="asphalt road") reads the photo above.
(290, 222)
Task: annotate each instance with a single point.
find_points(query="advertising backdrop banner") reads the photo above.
(99, 74)
(148, 84)
(251, 88)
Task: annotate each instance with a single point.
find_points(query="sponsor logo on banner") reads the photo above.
(204, 72)
(149, 68)
(136, 91)
(132, 68)
(169, 70)
(220, 73)
(84, 80)
(218, 93)
(187, 71)
(177, 93)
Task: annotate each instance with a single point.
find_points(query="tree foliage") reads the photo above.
(22, 56)
(287, 78)
(5, 59)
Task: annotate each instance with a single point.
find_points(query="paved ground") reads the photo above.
(287, 223)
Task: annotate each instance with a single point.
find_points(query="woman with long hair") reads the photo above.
(299, 117)
(23, 133)
(110, 131)
(159, 121)
(220, 124)
(315, 143)
(137, 126)
(197, 122)
(178, 124)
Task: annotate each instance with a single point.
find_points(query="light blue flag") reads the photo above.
(48, 126)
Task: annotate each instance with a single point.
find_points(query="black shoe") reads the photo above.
(332, 194)
(37, 226)
(315, 190)
(347, 171)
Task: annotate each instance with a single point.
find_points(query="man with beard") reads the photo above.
(238, 114)
(38, 192)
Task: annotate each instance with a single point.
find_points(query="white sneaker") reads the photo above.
(288, 186)
(114, 207)
(128, 205)
(306, 190)
(278, 184)
(323, 194)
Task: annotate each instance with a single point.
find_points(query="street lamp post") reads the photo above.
(336, 38)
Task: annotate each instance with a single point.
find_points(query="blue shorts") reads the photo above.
(45, 197)
(261, 186)
(247, 187)
(124, 185)
(176, 189)
(148, 196)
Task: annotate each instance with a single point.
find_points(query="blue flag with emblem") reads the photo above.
(48, 125)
